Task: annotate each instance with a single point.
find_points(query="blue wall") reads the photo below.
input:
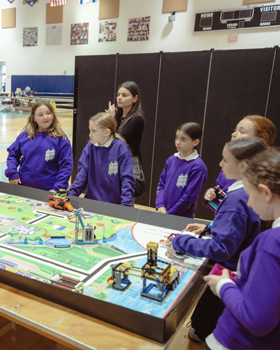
(44, 83)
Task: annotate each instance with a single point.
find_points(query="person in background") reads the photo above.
(42, 152)
(184, 174)
(251, 125)
(251, 319)
(105, 167)
(233, 229)
(130, 125)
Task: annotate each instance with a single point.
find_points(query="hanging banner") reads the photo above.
(250, 17)
(86, 1)
(30, 2)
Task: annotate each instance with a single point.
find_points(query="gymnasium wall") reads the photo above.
(177, 36)
(44, 83)
(214, 88)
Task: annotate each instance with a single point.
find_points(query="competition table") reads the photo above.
(26, 102)
(74, 329)
(23, 304)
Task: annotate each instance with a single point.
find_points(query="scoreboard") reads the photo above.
(250, 17)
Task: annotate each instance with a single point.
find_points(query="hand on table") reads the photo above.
(195, 228)
(162, 210)
(15, 181)
(170, 251)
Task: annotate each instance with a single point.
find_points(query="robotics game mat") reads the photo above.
(40, 243)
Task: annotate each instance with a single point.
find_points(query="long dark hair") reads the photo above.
(244, 148)
(193, 130)
(134, 89)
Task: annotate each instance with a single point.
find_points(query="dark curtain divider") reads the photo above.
(182, 95)
(213, 88)
(94, 86)
(238, 86)
(273, 103)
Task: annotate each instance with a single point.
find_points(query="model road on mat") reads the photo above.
(50, 245)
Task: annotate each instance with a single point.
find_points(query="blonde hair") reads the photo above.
(31, 127)
(106, 121)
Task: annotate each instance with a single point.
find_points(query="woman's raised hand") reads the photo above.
(111, 109)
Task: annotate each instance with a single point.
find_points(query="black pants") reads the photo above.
(206, 314)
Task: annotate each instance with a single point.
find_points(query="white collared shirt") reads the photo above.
(236, 186)
(276, 223)
(107, 144)
(213, 343)
(191, 156)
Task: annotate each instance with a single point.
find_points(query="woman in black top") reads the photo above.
(130, 122)
(129, 115)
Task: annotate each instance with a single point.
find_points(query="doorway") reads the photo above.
(3, 76)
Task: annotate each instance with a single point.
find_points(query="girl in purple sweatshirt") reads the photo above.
(184, 174)
(251, 125)
(105, 168)
(234, 228)
(251, 318)
(41, 156)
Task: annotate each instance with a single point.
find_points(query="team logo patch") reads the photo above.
(113, 168)
(50, 154)
(182, 180)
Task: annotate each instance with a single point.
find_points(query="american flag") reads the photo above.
(58, 2)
